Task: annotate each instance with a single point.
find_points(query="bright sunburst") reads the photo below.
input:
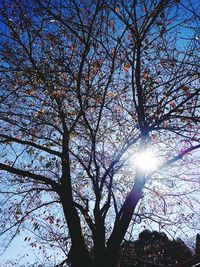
(147, 161)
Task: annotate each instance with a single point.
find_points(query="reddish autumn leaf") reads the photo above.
(172, 104)
(73, 47)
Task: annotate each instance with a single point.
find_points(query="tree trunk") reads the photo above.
(79, 255)
(122, 222)
(99, 245)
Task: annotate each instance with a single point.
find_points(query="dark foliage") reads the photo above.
(154, 249)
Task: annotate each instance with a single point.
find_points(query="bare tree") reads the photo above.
(86, 86)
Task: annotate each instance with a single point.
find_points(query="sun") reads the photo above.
(146, 161)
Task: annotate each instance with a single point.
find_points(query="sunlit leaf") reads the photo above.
(126, 67)
(117, 9)
(145, 76)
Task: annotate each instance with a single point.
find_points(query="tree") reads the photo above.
(155, 249)
(86, 87)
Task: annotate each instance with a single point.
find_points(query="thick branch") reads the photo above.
(36, 177)
(23, 142)
(179, 156)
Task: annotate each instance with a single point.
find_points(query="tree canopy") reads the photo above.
(99, 117)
